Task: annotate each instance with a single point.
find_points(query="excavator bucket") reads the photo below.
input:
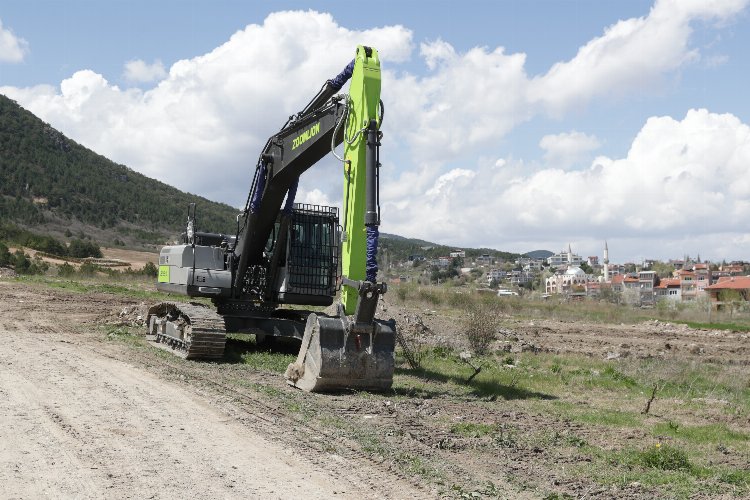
(336, 355)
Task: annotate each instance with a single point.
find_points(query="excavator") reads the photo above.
(286, 254)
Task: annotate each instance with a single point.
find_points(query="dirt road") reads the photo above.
(75, 421)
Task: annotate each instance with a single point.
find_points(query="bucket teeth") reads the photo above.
(334, 357)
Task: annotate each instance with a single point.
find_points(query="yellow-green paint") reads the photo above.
(163, 274)
(306, 136)
(364, 92)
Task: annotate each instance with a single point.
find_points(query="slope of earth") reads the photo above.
(45, 176)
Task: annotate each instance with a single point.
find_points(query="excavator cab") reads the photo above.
(307, 265)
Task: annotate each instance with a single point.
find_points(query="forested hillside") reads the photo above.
(400, 248)
(44, 174)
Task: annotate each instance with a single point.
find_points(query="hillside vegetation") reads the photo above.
(400, 248)
(46, 176)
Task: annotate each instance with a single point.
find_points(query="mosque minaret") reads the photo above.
(606, 262)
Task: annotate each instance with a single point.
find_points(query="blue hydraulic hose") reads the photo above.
(342, 77)
(371, 266)
(290, 195)
(259, 187)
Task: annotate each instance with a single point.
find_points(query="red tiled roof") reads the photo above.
(736, 283)
(667, 282)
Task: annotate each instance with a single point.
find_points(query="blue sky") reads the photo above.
(515, 125)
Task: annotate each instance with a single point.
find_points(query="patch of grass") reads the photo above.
(663, 457)
(548, 438)
(371, 443)
(735, 477)
(733, 327)
(430, 296)
(471, 429)
(242, 348)
(618, 376)
(558, 496)
(125, 334)
(446, 373)
(416, 466)
(268, 390)
(610, 418)
(711, 433)
(577, 412)
(691, 379)
(488, 490)
(667, 468)
(135, 290)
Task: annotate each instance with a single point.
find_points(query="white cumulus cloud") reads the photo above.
(471, 100)
(682, 180)
(12, 48)
(140, 71)
(565, 149)
(631, 54)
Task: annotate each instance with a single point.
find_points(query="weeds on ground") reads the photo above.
(460, 299)
(480, 326)
(274, 357)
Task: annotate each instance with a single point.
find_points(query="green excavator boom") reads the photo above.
(364, 101)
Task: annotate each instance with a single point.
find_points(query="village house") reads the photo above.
(738, 284)
(668, 289)
(733, 269)
(485, 260)
(521, 277)
(647, 281)
(495, 275)
(688, 284)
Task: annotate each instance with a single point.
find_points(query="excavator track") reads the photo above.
(190, 331)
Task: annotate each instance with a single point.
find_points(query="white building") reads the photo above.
(571, 281)
(496, 275)
(565, 258)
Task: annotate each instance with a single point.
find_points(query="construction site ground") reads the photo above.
(88, 409)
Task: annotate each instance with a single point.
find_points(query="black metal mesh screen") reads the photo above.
(312, 263)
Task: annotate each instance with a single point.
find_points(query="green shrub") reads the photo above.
(665, 457)
(82, 249)
(480, 326)
(430, 296)
(88, 269)
(150, 270)
(66, 270)
(5, 257)
(23, 265)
